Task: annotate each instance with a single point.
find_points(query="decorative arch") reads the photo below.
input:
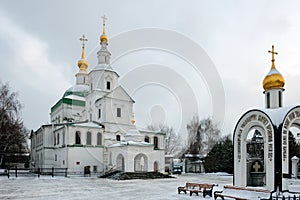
(120, 162)
(140, 163)
(253, 120)
(291, 120)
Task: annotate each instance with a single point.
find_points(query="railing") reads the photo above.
(9, 172)
(290, 197)
(285, 195)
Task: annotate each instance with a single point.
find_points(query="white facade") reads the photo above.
(92, 127)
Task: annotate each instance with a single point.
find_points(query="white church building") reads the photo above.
(92, 126)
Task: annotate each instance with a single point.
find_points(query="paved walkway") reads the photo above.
(95, 188)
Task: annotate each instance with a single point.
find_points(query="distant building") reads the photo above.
(92, 126)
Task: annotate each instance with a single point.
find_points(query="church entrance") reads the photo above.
(140, 163)
(255, 158)
(120, 162)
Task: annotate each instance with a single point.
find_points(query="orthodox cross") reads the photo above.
(256, 166)
(104, 19)
(273, 53)
(83, 39)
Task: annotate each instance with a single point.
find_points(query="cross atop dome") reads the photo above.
(82, 63)
(273, 57)
(83, 39)
(103, 23)
(103, 37)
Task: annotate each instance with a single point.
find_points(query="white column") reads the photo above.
(295, 161)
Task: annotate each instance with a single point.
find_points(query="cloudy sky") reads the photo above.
(156, 48)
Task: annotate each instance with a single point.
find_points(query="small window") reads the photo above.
(99, 139)
(118, 138)
(279, 98)
(108, 85)
(88, 138)
(55, 158)
(95, 168)
(99, 113)
(118, 112)
(91, 117)
(77, 137)
(57, 138)
(147, 139)
(155, 142)
(268, 100)
(63, 138)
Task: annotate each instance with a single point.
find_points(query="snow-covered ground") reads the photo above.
(95, 188)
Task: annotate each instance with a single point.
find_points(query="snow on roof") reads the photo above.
(132, 143)
(105, 67)
(277, 115)
(88, 124)
(75, 97)
(273, 71)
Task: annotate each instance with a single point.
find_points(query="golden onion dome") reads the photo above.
(104, 38)
(273, 80)
(83, 64)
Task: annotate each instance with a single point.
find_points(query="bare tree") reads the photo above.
(11, 126)
(173, 141)
(202, 135)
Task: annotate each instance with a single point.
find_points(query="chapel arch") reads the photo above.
(251, 122)
(140, 163)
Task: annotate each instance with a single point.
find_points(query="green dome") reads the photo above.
(78, 90)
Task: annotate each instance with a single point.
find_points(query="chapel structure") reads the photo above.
(261, 138)
(92, 125)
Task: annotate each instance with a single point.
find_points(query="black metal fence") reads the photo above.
(290, 197)
(15, 172)
(285, 195)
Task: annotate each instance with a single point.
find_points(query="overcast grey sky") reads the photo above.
(40, 48)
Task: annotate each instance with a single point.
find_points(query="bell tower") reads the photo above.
(273, 85)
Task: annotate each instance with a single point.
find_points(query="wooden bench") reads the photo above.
(241, 193)
(206, 189)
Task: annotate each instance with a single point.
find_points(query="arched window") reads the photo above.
(57, 138)
(147, 139)
(88, 138)
(118, 137)
(99, 139)
(77, 137)
(155, 142)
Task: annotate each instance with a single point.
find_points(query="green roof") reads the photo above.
(77, 93)
(68, 102)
